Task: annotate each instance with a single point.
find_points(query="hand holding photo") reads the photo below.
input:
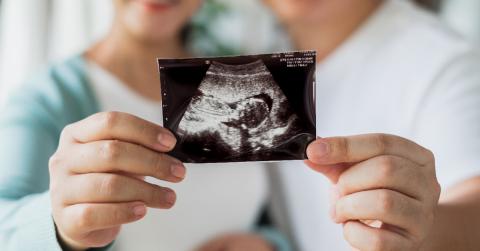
(243, 108)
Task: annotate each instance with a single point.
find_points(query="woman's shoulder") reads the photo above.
(55, 97)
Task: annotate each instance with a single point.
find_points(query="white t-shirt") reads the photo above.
(214, 199)
(401, 73)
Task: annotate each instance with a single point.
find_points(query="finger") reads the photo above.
(117, 156)
(113, 188)
(384, 205)
(90, 217)
(363, 237)
(123, 127)
(332, 172)
(357, 148)
(218, 244)
(386, 171)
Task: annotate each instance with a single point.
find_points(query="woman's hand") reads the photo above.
(96, 176)
(237, 242)
(387, 191)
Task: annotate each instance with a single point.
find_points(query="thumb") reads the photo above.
(332, 172)
(315, 151)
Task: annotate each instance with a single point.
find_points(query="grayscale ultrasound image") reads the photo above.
(237, 112)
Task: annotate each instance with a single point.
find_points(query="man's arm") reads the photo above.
(457, 224)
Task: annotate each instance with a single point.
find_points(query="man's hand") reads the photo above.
(237, 242)
(96, 182)
(387, 191)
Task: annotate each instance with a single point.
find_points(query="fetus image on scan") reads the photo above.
(239, 113)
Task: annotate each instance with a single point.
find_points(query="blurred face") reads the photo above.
(154, 20)
(301, 11)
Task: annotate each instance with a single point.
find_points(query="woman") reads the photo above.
(386, 66)
(92, 121)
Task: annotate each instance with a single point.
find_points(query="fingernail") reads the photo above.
(318, 149)
(170, 197)
(139, 209)
(178, 170)
(166, 140)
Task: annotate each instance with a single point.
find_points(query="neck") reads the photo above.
(326, 33)
(134, 61)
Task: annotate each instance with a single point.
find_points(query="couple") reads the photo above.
(73, 172)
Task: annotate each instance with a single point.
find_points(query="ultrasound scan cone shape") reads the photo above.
(239, 113)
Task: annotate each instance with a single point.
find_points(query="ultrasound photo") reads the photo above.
(243, 108)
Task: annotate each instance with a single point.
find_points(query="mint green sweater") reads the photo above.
(30, 126)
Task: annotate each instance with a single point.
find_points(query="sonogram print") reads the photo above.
(238, 113)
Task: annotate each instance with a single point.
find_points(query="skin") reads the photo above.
(322, 25)
(96, 174)
(237, 242)
(385, 191)
(376, 179)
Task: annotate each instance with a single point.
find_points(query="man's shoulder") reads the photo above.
(427, 34)
(420, 48)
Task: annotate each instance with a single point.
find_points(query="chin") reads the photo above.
(296, 10)
(156, 6)
(157, 20)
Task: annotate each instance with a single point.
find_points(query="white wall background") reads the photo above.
(37, 32)
(34, 33)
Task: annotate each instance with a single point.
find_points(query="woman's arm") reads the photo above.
(26, 144)
(30, 125)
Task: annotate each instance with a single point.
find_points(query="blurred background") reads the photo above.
(34, 33)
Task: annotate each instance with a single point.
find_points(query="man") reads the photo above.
(385, 67)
